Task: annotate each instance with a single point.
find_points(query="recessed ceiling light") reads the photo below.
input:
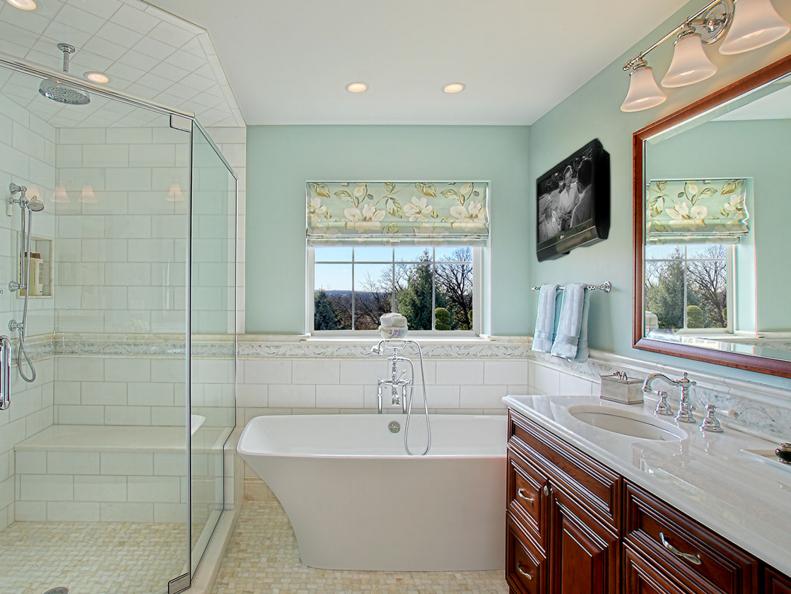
(453, 88)
(23, 4)
(357, 87)
(97, 77)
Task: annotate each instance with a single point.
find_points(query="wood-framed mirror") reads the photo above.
(712, 227)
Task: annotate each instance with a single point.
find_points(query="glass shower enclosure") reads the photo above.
(117, 277)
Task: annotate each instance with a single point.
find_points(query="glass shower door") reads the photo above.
(213, 333)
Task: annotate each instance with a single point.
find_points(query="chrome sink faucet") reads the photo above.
(685, 385)
(399, 384)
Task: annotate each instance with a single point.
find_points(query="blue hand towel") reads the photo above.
(570, 339)
(545, 320)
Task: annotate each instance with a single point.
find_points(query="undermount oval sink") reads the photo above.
(626, 422)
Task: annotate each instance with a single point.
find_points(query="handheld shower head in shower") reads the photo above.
(35, 204)
(60, 91)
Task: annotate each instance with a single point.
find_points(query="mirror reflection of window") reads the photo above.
(717, 219)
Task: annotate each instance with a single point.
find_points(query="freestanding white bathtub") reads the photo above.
(356, 501)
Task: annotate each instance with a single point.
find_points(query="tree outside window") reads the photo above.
(431, 286)
(687, 286)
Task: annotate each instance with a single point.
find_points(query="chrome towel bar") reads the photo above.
(605, 287)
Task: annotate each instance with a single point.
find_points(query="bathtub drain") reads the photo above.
(394, 426)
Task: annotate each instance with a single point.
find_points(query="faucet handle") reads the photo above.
(710, 422)
(663, 407)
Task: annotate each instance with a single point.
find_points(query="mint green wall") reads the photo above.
(593, 112)
(748, 148)
(281, 158)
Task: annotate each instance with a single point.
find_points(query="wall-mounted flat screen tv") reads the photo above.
(573, 205)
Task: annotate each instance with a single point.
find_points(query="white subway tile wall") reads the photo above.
(27, 157)
(121, 228)
(267, 385)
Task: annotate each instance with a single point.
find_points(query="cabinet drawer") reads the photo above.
(643, 576)
(525, 565)
(685, 549)
(527, 495)
(594, 483)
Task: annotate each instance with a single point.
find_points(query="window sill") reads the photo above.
(373, 339)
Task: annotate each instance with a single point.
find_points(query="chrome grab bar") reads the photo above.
(5, 372)
(694, 559)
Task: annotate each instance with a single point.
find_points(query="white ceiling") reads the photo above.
(147, 53)
(289, 60)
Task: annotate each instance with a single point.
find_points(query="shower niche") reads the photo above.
(41, 274)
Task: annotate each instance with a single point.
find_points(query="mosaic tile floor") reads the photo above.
(90, 557)
(262, 557)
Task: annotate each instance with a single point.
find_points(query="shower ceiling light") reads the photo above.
(643, 93)
(690, 63)
(453, 88)
(23, 4)
(97, 77)
(357, 87)
(756, 23)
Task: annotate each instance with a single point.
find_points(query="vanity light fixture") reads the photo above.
(453, 88)
(97, 77)
(752, 24)
(756, 23)
(643, 93)
(357, 87)
(27, 5)
(690, 64)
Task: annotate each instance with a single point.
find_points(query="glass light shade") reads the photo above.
(643, 93)
(690, 64)
(756, 23)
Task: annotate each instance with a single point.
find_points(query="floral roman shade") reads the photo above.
(696, 211)
(386, 212)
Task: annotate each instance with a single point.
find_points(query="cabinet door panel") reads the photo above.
(584, 554)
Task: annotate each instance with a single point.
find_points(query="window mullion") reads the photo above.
(433, 288)
(353, 290)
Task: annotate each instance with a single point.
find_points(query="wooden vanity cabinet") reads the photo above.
(564, 504)
(576, 527)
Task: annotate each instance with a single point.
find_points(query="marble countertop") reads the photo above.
(707, 476)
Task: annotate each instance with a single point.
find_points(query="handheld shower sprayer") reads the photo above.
(27, 207)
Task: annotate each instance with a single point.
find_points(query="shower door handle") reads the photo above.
(5, 372)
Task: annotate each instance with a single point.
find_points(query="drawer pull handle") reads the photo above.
(694, 559)
(521, 569)
(522, 494)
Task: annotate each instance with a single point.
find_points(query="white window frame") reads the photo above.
(730, 297)
(477, 301)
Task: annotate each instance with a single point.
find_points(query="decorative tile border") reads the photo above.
(276, 347)
(756, 406)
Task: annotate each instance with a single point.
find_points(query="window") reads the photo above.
(688, 288)
(436, 288)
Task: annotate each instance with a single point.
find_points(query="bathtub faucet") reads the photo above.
(399, 384)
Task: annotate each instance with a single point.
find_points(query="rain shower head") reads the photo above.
(60, 91)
